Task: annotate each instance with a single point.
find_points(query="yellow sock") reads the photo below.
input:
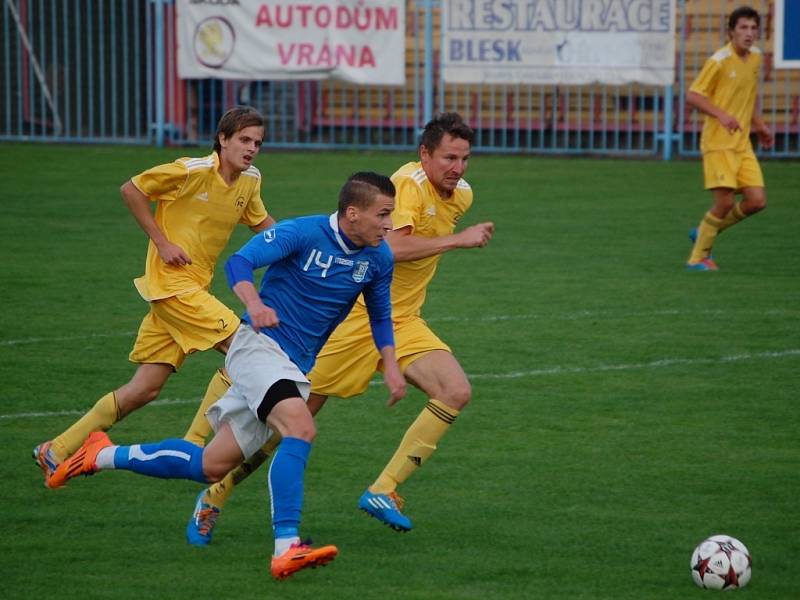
(706, 234)
(734, 215)
(100, 417)
(218, 493)
(200, 428)
(417, 445)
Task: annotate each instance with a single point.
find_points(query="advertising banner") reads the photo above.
(559, 41)
(359, 41)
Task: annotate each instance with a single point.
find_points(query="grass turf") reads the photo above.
(623, 409)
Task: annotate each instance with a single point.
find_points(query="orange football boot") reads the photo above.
(82, 462)
(299, 556)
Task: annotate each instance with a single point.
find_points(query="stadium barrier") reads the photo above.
(105, 72)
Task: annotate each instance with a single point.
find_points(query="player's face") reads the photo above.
(240, 150)
(370, 225)
(744, 35)
(446, 164)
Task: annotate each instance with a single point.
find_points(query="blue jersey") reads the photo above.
(313, 279)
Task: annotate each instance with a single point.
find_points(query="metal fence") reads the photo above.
(104, 71)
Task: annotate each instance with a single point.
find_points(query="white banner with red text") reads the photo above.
(562, 41)
(359, 41)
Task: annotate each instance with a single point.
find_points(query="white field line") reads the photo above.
(582, 314)
(656, 364)
(66, 338)
(59, 413)
(558, 370)
(606, 314)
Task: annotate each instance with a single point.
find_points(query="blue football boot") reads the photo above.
(385, 508)
(201, 525)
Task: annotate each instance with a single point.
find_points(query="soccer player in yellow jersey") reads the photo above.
(198, 203)
(431, 198)
(725, 90)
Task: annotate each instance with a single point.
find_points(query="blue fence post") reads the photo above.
(160, 83)
(666, 135)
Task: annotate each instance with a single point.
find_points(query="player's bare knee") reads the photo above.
(298, 422)
(304, 430)
(723, 207)
(213, 475)
(300, 425)
(216, 471)
(457, 396)
(756, 203)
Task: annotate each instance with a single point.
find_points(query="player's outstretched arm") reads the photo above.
(139, 205)
(476, 236)
(407, 246)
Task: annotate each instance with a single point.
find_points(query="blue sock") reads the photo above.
(169, 459)
(286, 476)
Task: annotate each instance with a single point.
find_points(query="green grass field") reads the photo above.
(623, 409)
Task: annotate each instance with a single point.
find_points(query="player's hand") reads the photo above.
(476, 236)
(262, 315)
(765, 137)
(396, 383)
(173, 255)
(729, 122)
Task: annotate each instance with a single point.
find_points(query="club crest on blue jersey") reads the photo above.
(360, 271)
(269, 235)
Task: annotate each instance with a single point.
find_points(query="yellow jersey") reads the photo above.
(729, 82)
(197, 211)
(418, 205)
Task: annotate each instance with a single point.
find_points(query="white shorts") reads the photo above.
(254, 363)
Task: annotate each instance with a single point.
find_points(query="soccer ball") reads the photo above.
(721, 563)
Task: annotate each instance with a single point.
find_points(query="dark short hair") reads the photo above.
(236, 119)
(450, 123)
(362, 188)
(743, 12)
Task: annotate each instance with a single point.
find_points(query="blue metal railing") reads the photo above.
(104, 71)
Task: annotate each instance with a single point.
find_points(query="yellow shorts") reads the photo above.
(179, 325)
(729, 169)
(349, 359)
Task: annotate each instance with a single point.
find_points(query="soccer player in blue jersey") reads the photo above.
(431, 199)
(318, 266)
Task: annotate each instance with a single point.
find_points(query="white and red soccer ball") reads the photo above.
(721, 562)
